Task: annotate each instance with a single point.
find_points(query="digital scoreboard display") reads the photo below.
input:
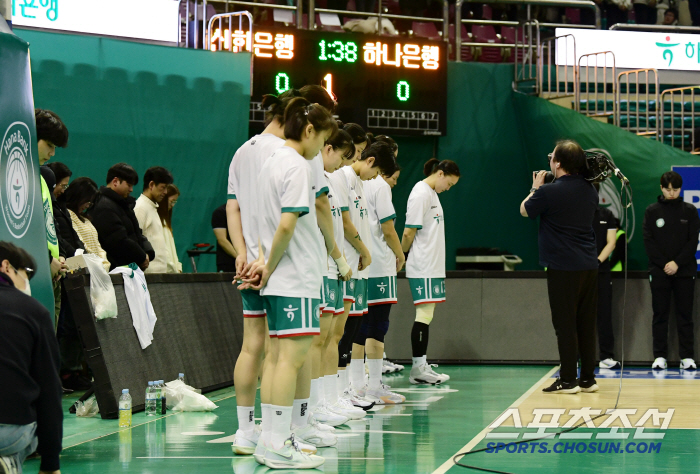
(388, 85)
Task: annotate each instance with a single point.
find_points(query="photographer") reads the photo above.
(671, 229)
(567, 249)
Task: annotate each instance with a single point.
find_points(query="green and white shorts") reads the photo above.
(253, 306)
(359, 307)
(427, 290)
(290, 316)
(349, 289)
(381, 290)
(331, 297)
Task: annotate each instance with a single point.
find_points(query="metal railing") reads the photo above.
(602, 61)
(681, 116)
(643, 122)
(229, 39)
(548, 49)
(656, 28)
(526, 58)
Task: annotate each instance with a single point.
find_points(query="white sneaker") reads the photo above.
(346, 408)
(398, 367)
(8, 464)
(245, 442)
(443, 377)
(325, 415)
(386, 369)
(305, 447)
(291, 457)
(424, 374)
(383, 396)
(319, 425)
(688, 364)
(259, 453)
(609, 363)
(659, 364)
(357, 399)
(310, 434)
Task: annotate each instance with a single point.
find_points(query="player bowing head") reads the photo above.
(307, 126)
(338, 151)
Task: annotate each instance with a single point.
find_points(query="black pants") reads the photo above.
(606, 339)
(683, 291)
(573, 299)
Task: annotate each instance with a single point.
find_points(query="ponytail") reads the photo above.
(274, 105)
(357, 133)
(448, 167)
(300, 112)
(383, 157)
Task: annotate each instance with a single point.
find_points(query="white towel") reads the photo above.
(139, 299)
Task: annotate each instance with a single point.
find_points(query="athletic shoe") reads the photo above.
(356, 399)
(688, 364)
(661, 374)
(259, 453)
(588, 386)
(310, 434)
(382, 396)
(319, 425)
(346, 408)
(560, 386)
(305, 447)
(659, 364)
(386, 369)
(609, 363)
(424, 374)
(291, 457)
(245, 442)
(8, 465)
(323, 414)
(398, 367)
(444, 377)
(244, 465)
(393, 368)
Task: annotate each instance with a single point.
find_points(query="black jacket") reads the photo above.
(671, 234)
(68, 240)
(29, 364)
(118, 229)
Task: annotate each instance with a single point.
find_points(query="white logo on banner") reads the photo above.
(17, 197)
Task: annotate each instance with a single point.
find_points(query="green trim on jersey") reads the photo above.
(427, 290)
(301, 210)
(412, 226)
(232, 196)
(290, 316)
(393, 216)
(323, 190)
(344, 209)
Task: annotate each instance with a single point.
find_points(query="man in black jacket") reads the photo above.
(113, 216)
(30, 401)
(671, 228)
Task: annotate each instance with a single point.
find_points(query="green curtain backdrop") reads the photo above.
(22, 221)
(148, 106)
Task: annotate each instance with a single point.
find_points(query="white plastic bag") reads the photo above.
(104, 301)
(182, 397)
(88, 408)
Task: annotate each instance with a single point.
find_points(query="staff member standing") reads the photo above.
(568, 250)
(671, 229)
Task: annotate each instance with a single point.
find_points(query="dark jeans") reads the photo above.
(573, 299)
(606, 339)
(683, 291)
(68, 339)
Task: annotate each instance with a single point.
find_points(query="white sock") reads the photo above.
(384, 355)
(375, 373)
(246, 418)
(300, 415)
(280, 425)
(316, 393)
(265, 424)
(417, 361)
(357, 373)
(343, 381)
(424, 359)
(330, 387)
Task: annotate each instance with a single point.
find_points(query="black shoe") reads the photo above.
(560, 386)
(66, 391)
(74, 382)
(588, 386)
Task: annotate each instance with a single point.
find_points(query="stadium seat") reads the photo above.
(486, 12)
(487, 34)
(467, 53)
(425, 30)
(573, 16)
(329, 22)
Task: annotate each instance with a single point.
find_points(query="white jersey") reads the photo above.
(285, 185)
(242, 183)
(139, 299)
(426, 258)
(338, 230)
(318, 177)
(381, 210)
(354, 200)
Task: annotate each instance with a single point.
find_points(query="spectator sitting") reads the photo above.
(166, 216)
(112, 214)
(155, 183)
(30, 413)
(670, 17)
(78, 198)
(68, 240)
(225, 253)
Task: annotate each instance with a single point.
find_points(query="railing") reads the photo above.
(229, 39)
(600, 80)
(548, 49)
(656, 28)
(646, 122)
(526, 59)
(680, 115)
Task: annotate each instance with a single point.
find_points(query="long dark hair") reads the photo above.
(164, 211)
(82, 190)
(448, 167)
(383, 157)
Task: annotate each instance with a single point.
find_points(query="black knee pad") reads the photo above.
(378, 322)
(352, 327)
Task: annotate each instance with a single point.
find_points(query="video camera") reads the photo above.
(598, 168)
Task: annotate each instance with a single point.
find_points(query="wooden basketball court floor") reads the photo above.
(423, 435)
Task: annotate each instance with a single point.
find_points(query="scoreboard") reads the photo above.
(388, 85)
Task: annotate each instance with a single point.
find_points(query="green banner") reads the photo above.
(22, 221)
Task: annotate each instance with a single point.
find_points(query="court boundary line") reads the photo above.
(447, 465)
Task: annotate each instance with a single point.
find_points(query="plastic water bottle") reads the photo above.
(150, 400)
(125, 409)
(157, 394)
(163, 401)
(181, 377)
